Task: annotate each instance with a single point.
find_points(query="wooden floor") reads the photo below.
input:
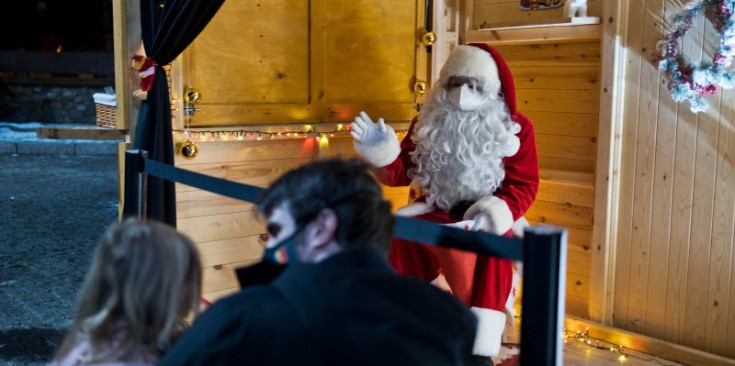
(579, 353)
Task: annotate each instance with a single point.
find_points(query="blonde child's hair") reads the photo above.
(144, 281)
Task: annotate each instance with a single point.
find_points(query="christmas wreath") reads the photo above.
(690, 81)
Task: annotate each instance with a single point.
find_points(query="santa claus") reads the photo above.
(470, 159)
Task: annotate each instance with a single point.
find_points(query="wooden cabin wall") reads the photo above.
(557, 88)
(674, 272)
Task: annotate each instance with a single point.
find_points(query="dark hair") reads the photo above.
(345, 186)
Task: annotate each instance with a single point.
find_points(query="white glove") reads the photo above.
(491, 214)
(364, 131)
(482, 223)
(376, 142)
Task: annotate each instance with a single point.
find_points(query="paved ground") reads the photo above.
(52, 211)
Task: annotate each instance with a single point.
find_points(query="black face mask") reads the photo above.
(276, 258)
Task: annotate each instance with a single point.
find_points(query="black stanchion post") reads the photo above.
(135, 184)
(544, 284)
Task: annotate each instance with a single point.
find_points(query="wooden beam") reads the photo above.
(651, 346)
(79, 133)
(548, 34)
(122, 69)
(96, 63)
(127, 39)
(609, 147)
(22, 78)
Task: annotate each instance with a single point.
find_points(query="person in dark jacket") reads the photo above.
(338, 301)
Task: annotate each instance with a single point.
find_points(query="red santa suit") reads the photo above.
(482, 282)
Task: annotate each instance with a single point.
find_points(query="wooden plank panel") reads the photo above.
(275, 69)
(572, 165)
(627, 170)
(578, 239)
(576, 306)
(558, 100)
(578, 285)
(216, 115)
(659, 239)
(560, 214)
(655, 166)
(257, 173)
(578, 262)
(543, 34)
(564, 123)
(681, 212)
(647, 121)
(206, 206)
(566, 193)
(382, 45)
(218, 278)
(544, 55)
(699, 246)
(233, 250)
(566, 176)
(719, 286)
(219, 227)
(242, 151)
(695, 318)
(566, 147)
(341, 146)
(553, 77)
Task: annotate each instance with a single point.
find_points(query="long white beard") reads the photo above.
(459, 154)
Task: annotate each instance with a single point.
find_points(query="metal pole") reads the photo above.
(134, 202)
(544, 284)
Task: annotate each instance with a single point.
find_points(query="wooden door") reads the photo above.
(278, 61)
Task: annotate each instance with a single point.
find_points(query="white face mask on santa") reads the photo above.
(465, 98)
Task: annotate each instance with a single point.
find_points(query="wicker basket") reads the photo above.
(105, 115)
(105, 107)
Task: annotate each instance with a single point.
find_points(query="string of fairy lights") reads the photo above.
(622, 352)
(258, 134)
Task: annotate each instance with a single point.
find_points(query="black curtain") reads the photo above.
(168, 27)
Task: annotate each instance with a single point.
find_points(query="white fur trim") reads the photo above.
(519, 226)
(490, 326)
(497, 211)
(383, 152)
(472, 62)
(414, 209)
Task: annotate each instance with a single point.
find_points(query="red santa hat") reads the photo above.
(480, 61)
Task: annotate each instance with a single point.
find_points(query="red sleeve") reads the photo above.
(520, 185)
(395, 174)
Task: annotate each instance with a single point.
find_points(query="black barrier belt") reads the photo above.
(419, 231)
(427, 232)
(208, 183)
